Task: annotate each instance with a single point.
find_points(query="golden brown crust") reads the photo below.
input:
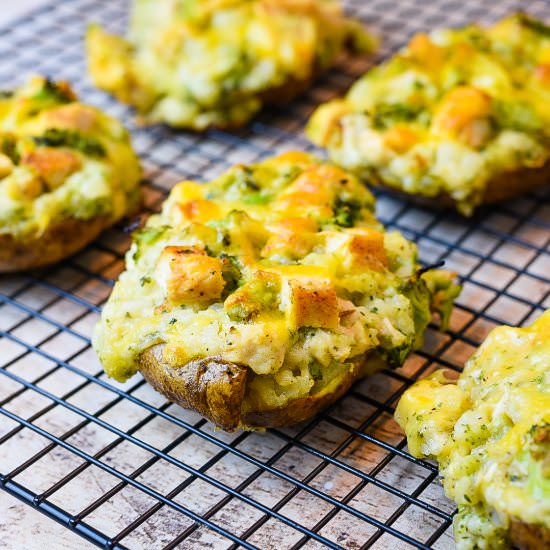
(502, 187)
(529, 537)
(58, 241)
(215, 389)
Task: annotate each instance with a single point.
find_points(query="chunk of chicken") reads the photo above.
(310, 303)
(189, 276)
(53, 166)
(73, 116)
(358, 248)
(312, 193)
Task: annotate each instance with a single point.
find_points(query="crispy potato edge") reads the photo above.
(58, 241)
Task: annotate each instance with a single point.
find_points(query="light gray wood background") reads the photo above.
(11, 9)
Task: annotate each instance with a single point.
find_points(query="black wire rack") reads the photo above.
(121, 467)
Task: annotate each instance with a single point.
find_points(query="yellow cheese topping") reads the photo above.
(450, 111)
(60, 159)
(280, 266)
(197, 63)
(490, 433)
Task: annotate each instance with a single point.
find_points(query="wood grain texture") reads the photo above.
(24, 527)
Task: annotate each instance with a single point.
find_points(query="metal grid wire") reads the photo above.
(121, 467)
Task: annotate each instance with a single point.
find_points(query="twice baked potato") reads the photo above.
(490, 432)
(460, 116)
(202, 63)
(259, 298)
(67, 171)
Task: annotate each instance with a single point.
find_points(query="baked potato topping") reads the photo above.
(60, 160)
(279, 269)
(490, 432)
(453, 114)
(203, 63)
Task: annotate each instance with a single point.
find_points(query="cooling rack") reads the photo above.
(121, 467)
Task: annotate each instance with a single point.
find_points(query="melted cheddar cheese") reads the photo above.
(280, 266)
(490, 433)
(197, 63)
(60, 159)
(452, 110)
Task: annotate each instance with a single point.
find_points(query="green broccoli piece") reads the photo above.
(55, 137)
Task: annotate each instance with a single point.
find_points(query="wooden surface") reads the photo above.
(23, 528)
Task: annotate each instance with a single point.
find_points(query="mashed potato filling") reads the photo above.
(449, 112)
(490, 433)
(200, 63)
(279, 266)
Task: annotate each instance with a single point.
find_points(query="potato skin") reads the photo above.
(215, 389)
(289, 90)
(529, 537)
(502, 187)
(508, 185)
(212, 387)
(58, 241)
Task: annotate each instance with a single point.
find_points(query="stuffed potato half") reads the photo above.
(490, 433)
(67, 171)
(203, 63)
(257, 299)
(458, 115)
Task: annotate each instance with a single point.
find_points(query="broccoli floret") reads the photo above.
(346, 213)
(386, 115)
(54, 137)
(147, 236)
(534, 24)
(8, 147)
(56, 92)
